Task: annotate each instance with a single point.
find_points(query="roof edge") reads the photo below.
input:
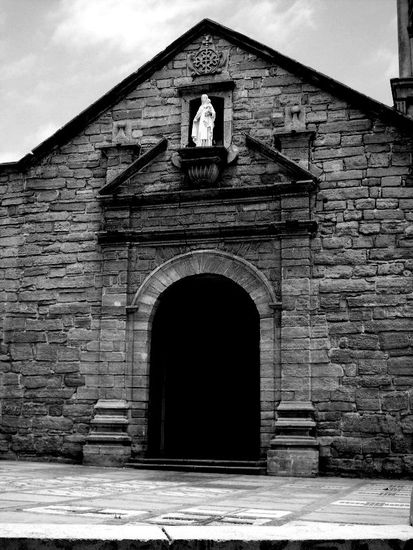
(323, 81)
(91, 112)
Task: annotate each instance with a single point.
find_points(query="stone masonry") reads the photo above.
(331, 258)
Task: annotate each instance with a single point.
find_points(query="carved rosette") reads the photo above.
(207, 60)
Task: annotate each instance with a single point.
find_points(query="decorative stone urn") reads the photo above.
(203, 165)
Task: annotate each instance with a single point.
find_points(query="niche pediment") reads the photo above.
(136, 166)
(287, 167)
(283, 173)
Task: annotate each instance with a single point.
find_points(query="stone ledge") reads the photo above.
(120, 145)
(33, 536)
(109, 419)
(263, 230)
(293, 536)
(295, 423)
(206, 87)
(112, 438)
(296, 406)
(113, 404)
(290, 441)
(218, 194)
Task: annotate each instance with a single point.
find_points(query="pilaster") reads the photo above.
(294, 448)
(108, 444)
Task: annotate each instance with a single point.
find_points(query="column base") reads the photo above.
(108, 444)
(294, 449)
(293, 458)
(106, 455)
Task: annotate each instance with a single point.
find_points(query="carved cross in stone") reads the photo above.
(207, 60)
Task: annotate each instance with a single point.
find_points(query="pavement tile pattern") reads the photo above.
(32, 492)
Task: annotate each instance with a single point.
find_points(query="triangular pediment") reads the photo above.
(134, 168)
(282, 169)
(289, 168)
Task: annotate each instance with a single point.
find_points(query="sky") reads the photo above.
(59, 56)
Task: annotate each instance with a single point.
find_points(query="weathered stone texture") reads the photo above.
(346, 323)
(52, 301)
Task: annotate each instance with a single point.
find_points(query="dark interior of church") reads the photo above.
(204, 394)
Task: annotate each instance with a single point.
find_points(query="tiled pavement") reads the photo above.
(43, 493)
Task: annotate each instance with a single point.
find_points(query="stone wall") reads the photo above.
(346, 291)
(362, 260)
(52, 303)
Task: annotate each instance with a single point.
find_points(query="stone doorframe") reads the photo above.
(142, 311)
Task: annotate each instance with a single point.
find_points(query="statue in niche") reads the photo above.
(203, 123)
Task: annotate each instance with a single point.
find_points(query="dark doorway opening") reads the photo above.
(204, 378)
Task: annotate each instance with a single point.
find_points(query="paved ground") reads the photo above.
(42, 493)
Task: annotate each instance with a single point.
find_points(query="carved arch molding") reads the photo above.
(144, 306)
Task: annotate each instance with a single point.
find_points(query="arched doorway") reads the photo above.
(204, 399)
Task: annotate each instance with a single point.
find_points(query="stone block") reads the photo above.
(22, 444)
(75, 410)
(10, 379)
(12, 407)
(376, 446)
(363, 342)
(74, 380)
(400, 444)
(369, 423)
(55, 409)
(293, 462)
(407, 424)
(21, 352)
(396, 401)
(72, 450)
(31, 382)
(392, 466)
(106, 455)
(63, 367)
(48, 444)
(394, 340)
(46, 352)
(372, 366)
(68, 354)
(52, 423)
(346, 446)
(34, 409)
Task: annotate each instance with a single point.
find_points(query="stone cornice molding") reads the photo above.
(215, 195)
(234, 232)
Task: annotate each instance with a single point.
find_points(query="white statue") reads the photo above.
(203, 124)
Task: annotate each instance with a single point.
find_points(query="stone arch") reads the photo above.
(143, 308)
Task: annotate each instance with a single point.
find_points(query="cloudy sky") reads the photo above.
(58, 56)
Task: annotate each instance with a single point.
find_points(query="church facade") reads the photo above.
(244, 301)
